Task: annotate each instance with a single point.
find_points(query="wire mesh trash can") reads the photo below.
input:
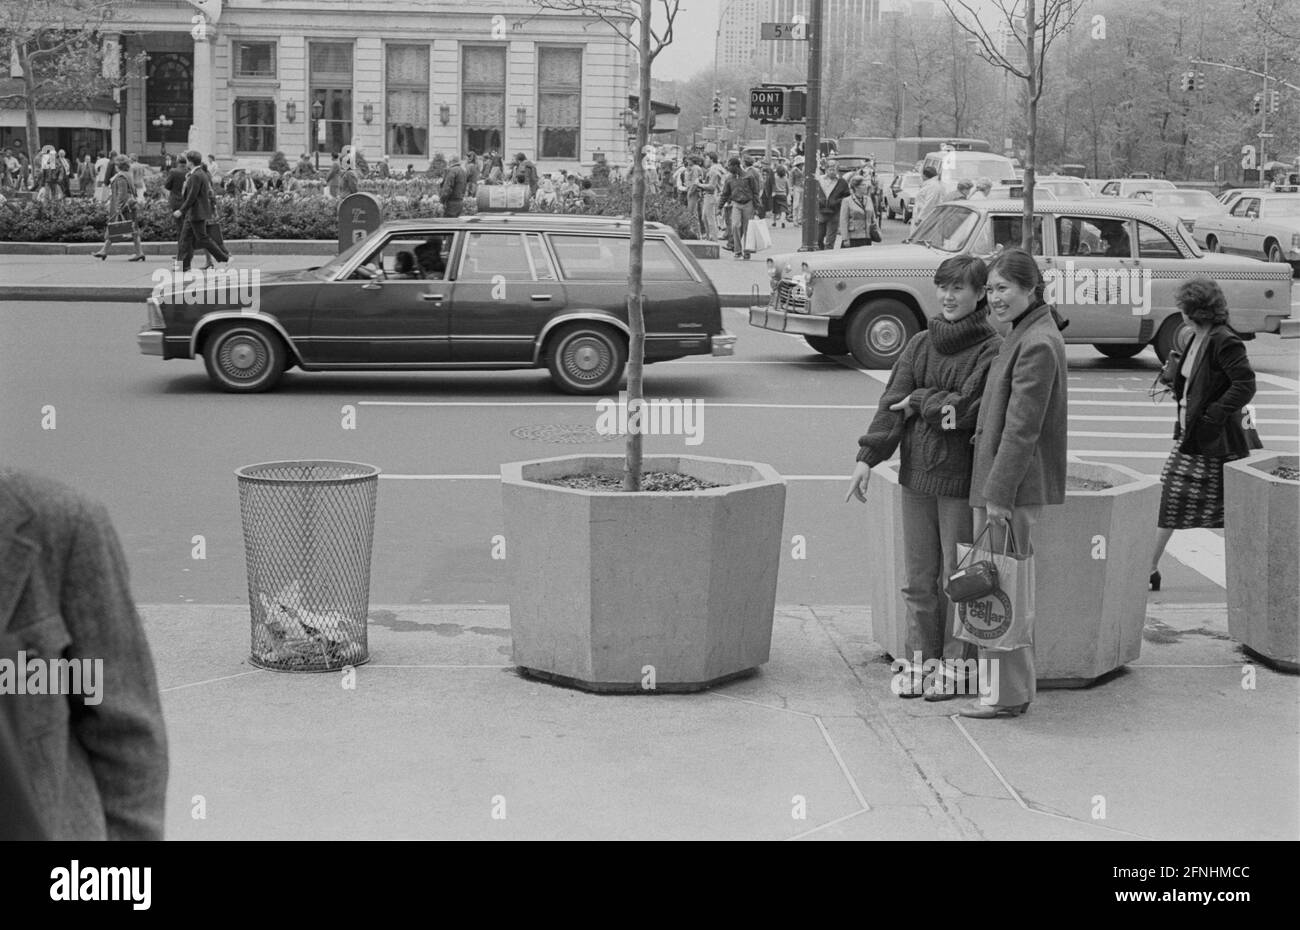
(309, 528)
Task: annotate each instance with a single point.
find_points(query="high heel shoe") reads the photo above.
(137, 258)
(99, 255)
(986, 711)
(1155, 581)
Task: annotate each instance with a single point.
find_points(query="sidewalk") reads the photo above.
(76, 276)
(439, 732)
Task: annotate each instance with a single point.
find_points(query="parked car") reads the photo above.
(1112, 268)
(1063, 187)
(1262, 224)
(1190, 206)
(1229, 197)
(1127, 187)
(952, 166)
(491, 291)
(901, 194)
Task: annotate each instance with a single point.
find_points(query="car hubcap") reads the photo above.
(1275, 254)
(885, 336)
(243, 359)
(587, 359)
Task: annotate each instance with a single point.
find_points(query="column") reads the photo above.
(201, 130)
(112, 70)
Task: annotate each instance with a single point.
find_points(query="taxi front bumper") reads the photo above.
(782, 321)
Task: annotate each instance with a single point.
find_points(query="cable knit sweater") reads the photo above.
(942, 370)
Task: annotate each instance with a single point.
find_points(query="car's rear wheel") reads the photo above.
(1212, 244)
(244, 358)
(878, 331)
(828, 345)
(1119, 350)
(1174, 333)
(1274, 251)
(586, 358)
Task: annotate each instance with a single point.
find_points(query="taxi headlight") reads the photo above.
(771, 270)
(1295, 241)
(807, 279)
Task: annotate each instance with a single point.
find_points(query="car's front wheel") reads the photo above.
(1275, 253)
(1119, 350)
(586, 358)
(1212, 244)
(244, 358)
(827, 345)
(1174, 333)
(878, 332)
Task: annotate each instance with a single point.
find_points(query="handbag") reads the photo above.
(979, 578)
(121, 231)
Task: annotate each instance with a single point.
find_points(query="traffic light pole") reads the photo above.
(812, 132)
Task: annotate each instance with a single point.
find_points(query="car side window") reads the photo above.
(489, 254)
(1007, 229)
(543, 270)
(1111, 189)
(1153, 243)
(1249, 208)
(605, 258)
(1078, 236)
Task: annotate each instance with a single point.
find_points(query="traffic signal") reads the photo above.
(1274, 101)
(1257, 104)
(731, 109)
(717, 102)
(1188, 81)
(1198, 82)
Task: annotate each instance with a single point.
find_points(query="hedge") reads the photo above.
(278, 215)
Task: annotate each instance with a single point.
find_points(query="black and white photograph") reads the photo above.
(433, 421)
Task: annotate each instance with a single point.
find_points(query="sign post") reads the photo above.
(812, 133)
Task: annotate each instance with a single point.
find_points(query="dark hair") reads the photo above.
(734, 165)
(1019, 267)
(194, 157)
(1202, 301)
(928, 171)
(963, 269)
(780, 171)
(404, 263)
(586, 184)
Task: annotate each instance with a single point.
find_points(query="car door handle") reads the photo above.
(541, 296)
(434, 297)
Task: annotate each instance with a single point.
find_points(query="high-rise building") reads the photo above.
(848, 22)
(738, 28)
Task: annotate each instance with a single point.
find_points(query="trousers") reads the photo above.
(1016, 676)
(932, 528)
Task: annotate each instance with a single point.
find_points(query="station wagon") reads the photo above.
(491, 291)
(1111, 266)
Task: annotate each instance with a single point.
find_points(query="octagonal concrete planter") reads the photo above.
(1089, 611)
(1260, 523)
(606, 584)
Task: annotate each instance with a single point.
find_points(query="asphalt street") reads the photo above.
(160, 448)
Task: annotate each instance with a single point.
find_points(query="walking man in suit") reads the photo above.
(195, 211)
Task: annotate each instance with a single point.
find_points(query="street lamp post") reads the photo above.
(163, 123)
(317, 111)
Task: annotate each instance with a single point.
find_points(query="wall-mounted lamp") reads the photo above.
(521, 116)
(291, 110)
(368, 112)
(444, 114)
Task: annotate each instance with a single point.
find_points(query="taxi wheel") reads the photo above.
(827, 345)
(1212, 244)
(1119, 350)
(878, 332)
(1173, 334)
(1274, 252)
(586, 358)
(243, 358)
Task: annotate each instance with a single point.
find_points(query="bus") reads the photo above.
(903, 154)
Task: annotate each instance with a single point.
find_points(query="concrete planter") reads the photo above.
(1089, 611)
(1261, 517)
(606, 583)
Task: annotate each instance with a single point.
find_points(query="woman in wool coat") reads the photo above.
(930, 407)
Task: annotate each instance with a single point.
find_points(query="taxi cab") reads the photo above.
(1111, 269)
(1263, 224)
(483, 292)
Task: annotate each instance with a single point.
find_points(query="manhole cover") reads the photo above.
(562, 432)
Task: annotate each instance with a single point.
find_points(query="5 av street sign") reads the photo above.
(796, 31)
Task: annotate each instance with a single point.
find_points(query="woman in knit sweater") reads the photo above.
(930, 408)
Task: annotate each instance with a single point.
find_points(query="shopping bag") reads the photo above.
(1003, 619)
(757, 236)
(122, 231)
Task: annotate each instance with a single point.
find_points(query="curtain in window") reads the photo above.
(486, 111)
(331, 58)
(559, 111)
(408, 64)
(559, 67)
(485, 66)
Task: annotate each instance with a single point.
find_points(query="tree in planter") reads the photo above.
(1035, 38)
(622, 16)
(56, 47)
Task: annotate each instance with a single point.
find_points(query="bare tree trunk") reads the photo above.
(1027, 226)
(29, 104)
(635, 297)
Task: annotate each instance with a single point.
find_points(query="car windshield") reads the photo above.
(1068, 190)
(948, 227)
(335, 265)
(1184, 199)
(910, 180)
(995, 168)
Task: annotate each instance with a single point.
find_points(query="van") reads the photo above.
(953, 166)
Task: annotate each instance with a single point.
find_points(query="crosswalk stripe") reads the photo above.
(1148, 437)
(1201, 550)
(1143, 403)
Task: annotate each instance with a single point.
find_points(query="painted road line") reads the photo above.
(1086, 417)
(1278, 380)
(650, 402)
(1201, 550)
(1149, 437)
(1139, 403)
(497, 477)
(1085, 390)
(1117, 454)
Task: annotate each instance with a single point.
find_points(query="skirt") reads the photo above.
(1192, 496)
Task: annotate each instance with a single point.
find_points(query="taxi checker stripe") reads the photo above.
(1262, 275)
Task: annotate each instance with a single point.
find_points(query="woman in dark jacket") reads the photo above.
(1213, 384)
(121, 207)
(1020, 446)
(930, 406)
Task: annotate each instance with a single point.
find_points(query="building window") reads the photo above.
(331, 86)
(255, 59)
(407, 110)
(254, 124)
(169, 91)
(559, 101)
(483, 101)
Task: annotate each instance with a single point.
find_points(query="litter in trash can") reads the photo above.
(308, 534)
